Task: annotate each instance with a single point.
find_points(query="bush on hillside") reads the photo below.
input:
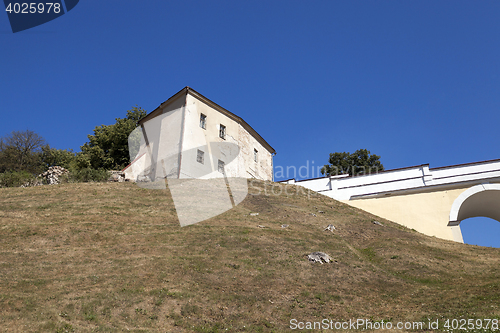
(16, 178)
(19, 178)
(89, 175)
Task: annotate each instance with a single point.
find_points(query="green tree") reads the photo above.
(58, 157)
(358, 163)
(108, 147)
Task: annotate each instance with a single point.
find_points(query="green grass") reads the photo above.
(111, 257)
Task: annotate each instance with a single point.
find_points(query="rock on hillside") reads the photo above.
(52, 176)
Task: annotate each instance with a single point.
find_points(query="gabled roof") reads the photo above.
(187, 90)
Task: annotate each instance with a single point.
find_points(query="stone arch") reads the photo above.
(479, 200)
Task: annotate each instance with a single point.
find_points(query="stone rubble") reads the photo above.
(319, 257)
(329, 227)
(52, 176)
(116, 176)
(33, 182)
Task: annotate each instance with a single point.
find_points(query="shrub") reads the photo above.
(16, 178)
(89, 175)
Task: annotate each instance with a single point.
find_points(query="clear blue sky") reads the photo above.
(412, 81)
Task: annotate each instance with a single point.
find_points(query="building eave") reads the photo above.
(158, 110)
(187, 90)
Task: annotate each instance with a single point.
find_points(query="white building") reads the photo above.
(189, 136)
(432, 201)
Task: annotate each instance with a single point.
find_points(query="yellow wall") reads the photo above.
(427, 213)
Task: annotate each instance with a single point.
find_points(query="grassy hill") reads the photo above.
(111, 257)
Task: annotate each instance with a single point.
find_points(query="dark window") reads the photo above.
(221, 166)
(200, 157)
(222, 132)
(255, 153)
(203, 121)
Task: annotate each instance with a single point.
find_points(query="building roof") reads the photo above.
(187, 90)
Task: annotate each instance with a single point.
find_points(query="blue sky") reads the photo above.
(414, 82)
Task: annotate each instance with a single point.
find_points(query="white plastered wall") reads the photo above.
(236, 150)
(208, 141)
(163, 133)
(263, 168)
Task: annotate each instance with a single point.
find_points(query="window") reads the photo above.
(221, 166)
(255, 153)
(222, 132)
(200, 157)
(203, 121)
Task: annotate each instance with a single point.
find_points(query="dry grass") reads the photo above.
(112, 257)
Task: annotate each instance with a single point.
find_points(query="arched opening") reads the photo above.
(479, 206)
(481, 231)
